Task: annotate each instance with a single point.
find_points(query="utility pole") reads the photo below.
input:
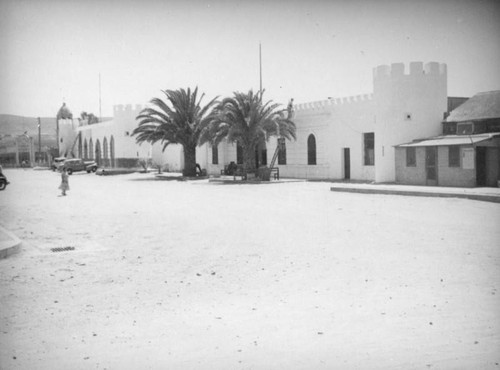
(260, 69)
(39, 140)
(57, 134)
(100, 115)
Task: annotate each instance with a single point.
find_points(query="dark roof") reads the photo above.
(485, 105)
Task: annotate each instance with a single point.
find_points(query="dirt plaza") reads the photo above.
(197, 275)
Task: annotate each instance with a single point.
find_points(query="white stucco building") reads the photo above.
(343, 138)
(354, 137)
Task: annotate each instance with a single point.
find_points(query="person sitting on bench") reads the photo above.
(198, 170)
(231, 168)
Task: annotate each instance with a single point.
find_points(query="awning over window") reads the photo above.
(450, 140)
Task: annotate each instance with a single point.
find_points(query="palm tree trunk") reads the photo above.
(189, 161)
(249, 158)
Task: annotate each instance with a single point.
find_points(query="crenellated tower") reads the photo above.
(407, 106)
(126, 115)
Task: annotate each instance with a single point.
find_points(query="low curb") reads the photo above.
(481, 197)
(9, 243)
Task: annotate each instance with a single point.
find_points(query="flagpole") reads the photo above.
(100, 115)
(260, 68)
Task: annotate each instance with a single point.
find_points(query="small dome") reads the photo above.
(64, 113)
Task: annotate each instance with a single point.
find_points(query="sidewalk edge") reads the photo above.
(9, 246)
(481, 197)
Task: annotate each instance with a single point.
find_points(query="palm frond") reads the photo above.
(176, 120)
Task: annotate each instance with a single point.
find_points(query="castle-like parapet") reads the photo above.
(331, 102)
(396, 70)
(127, 110)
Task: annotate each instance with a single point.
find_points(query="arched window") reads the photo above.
(281, 151)
(105, 148)
(85, 149)
(80, 148)
(112, 151)
(311, 149)
(91, 149)
(98, 152)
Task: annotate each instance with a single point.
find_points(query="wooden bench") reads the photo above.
(275, 172)
(238, 171)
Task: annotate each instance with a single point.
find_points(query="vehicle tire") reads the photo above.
(94, 169)
(70, 171)
(3, 185)
(88, 171)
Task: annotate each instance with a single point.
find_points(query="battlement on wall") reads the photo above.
(397, 70)
(333, 102)
(127, 109)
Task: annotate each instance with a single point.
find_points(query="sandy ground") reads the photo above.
(196, 275)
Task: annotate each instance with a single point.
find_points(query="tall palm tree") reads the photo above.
(179, 122)
(246, 120)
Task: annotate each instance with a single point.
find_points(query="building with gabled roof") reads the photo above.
(467, 153)
(484, 106)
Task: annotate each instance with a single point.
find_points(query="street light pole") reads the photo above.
(57, 134)
(39, 140)
(32, 151)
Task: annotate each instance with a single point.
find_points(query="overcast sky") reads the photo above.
(53, 51)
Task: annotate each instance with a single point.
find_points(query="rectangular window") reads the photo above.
(449, 128)
(493, 126)
(264, 157)
(239, 153)
(411, 158)
(465, 128)
(479, 127)
(454, 156)
(369, 148)
(281, 151)
(215, 154)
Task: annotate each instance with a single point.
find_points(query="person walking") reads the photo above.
(64, 181)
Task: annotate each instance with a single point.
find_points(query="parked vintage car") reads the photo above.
(77, 164)
(57, 163)
(3, 181)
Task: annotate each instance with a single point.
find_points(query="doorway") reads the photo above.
(261, 155)
(347, 164)
(431, 165)
(481, 166)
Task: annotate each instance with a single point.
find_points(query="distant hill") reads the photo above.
(11, 125)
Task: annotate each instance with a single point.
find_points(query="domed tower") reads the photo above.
(66, 131)
(407, 107)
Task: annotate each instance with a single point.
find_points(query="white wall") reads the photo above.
(67, 136)
(171, 159)
(336, 124)
(421, 94)
(120, 128)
